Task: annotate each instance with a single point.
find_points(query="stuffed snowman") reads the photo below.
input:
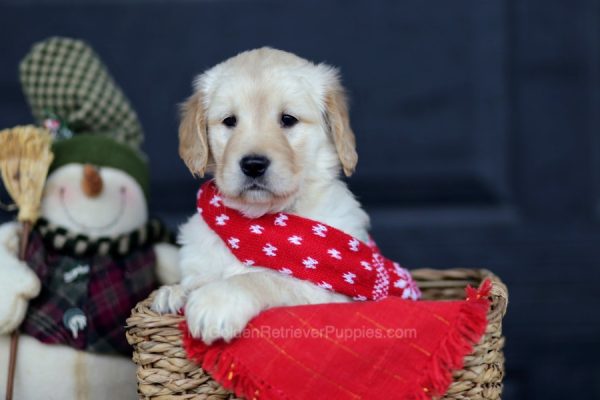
(94, 253)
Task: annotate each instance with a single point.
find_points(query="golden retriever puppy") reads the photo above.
(273, 130)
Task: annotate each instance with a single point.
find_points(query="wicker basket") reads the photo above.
(164, 372)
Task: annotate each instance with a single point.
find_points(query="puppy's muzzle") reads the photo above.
(254, 166)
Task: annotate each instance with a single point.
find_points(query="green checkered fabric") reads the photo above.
(63, 78)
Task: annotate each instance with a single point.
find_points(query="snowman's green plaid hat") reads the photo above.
(71, 92)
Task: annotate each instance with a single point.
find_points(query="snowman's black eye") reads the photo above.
(230, 121)
(287, 120)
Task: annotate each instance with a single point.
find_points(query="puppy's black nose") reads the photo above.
(254, 166)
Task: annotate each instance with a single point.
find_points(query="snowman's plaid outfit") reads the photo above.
(95, 281)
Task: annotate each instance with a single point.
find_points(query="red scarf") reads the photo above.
(390, 348)
(306, 249)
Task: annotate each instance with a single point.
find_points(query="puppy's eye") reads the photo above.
(230, 121)
(287, 121)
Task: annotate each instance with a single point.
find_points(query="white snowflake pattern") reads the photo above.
(234, 242)
(199, 210)
(221, 219)
(325, 285)
(248, 262)
(296, 240)
(216, 201)
(280, 220)
(366, 265)
(334, 253)
(270, 250)
(353, 244)
(413, 294)
(199, 192)
(310, 263)
(359, 297)
(349, 277)
(409, 288)
(257, 229)
(286, 271)
(320, 230)
(400, 284)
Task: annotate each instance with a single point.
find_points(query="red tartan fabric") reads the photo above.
(390, 349)
(306, 249)
(103, 292)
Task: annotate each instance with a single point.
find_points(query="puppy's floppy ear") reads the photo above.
(193, 137)
(339, 125)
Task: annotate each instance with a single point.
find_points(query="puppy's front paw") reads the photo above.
(219, 310)
(169, 299)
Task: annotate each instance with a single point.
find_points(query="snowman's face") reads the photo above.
(115, 205)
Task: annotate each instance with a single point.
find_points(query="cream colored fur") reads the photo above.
(221, 295)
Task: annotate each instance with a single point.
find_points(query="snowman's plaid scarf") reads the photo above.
(308, 250)
(89, 286)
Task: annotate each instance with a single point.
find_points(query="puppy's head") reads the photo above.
(265, 123)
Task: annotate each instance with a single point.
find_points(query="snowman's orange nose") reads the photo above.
(91, 184)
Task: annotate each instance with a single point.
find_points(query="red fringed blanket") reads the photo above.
(391, 348)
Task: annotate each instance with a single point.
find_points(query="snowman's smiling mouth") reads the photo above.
(112, 222)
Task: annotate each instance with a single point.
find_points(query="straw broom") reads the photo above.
(25, 158)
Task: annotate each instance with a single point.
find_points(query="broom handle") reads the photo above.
(25, 231)
(12, 364)
(14, 337)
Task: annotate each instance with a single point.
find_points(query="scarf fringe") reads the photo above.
(225, 369)
(464, 334)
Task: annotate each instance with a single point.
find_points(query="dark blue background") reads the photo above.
(478, 131)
